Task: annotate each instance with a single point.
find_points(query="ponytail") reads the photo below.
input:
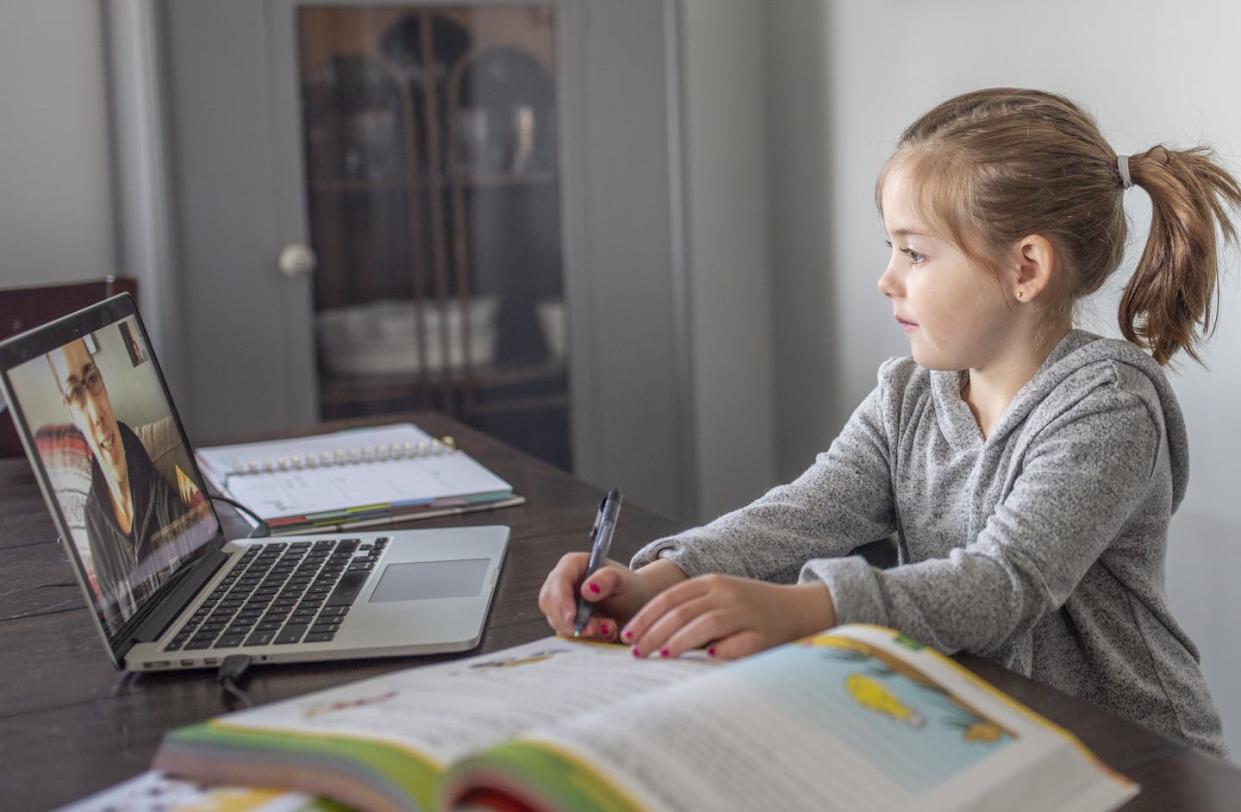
(1174, 287)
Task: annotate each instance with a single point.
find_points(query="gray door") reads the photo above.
(246, 329)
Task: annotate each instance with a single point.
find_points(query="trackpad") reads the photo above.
(425, 580)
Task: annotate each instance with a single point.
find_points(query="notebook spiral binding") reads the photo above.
(353, 456)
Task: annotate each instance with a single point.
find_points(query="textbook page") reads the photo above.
(833, 723)
(155, 792)
(443, 712)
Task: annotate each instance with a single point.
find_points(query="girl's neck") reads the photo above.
(989, 390)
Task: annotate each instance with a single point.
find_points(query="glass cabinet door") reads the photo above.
(433, 196)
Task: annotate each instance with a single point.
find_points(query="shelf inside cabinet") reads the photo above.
(340, 390)
(467, 181)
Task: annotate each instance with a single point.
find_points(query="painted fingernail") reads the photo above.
(634, 651)
(604, 630)
(663, 652)
(627, 635)
(711, 651)
(594, 588)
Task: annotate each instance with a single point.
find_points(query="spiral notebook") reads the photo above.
(353, 478)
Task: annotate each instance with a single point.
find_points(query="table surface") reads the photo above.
(70, 724)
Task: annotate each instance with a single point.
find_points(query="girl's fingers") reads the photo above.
(600, 628)
(658, 606)
(558, 597)
(605, 583)
(703, 631)
(655, 639)
(737, 645)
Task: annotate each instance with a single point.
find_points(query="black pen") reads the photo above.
(600, 543)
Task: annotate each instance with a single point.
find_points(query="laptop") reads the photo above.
(166, 588)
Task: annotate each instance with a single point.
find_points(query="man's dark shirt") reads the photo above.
(116, 554)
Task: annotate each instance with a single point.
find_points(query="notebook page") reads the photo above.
(372, 473)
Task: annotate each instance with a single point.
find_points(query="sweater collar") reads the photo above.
(958, 421)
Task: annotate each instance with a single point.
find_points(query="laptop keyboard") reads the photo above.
(281, 593)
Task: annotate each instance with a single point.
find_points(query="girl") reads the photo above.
(1028, 469)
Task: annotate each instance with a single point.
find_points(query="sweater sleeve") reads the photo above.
(842, 501)
(1082, 478)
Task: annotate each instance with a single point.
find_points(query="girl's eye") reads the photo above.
(915, 258)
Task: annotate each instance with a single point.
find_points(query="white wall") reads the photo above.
(55, 193)
(1151, 72)
(728, 252)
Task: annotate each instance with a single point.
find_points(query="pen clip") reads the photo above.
(594, 531)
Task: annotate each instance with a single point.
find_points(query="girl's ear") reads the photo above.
(1036, 265)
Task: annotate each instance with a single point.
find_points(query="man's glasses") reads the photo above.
(92, 383)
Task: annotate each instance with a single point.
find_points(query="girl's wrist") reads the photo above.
(811, 609)
(658, 575)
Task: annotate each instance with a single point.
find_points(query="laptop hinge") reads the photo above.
(154, 624)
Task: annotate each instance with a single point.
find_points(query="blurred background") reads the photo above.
(636, 239)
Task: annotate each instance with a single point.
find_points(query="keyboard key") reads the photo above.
(324, 627)
(290, 634)
(320, 637)
(230, 640)
(268, 625)
(334, 610)
(348, 588)
(260, 637)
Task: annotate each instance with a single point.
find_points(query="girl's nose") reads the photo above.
(887, 282)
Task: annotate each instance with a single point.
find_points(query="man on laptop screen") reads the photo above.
(138, 522)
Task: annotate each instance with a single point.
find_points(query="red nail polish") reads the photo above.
(634, 650)
(711, 651)
(603, 630)
(663, 652)
(594, 588)
(628, 635)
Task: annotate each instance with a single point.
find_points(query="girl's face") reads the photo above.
(955, 314)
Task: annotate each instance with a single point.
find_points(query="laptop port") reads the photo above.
(156, 664)
(211, 661)
(187, 662)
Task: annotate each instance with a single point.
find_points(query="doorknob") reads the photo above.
(296, 259)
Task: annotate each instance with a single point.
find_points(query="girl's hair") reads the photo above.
(993, 166)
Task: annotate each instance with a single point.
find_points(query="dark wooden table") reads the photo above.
(71, 725)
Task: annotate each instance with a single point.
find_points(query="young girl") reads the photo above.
(1028, 469)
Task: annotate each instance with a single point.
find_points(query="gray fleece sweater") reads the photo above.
(1040, 547)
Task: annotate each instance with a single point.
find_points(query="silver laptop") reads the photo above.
(167, 589)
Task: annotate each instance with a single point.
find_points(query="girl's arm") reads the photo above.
(1081, 483)
(842, 501)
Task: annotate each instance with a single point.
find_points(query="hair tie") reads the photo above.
(1122, 163)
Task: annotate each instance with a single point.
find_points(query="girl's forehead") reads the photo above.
(900, 205)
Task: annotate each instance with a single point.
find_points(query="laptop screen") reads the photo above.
(112, 457)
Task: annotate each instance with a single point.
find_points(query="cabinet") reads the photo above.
(245, 336)
(432, 193)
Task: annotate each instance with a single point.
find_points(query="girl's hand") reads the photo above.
(732, 617)
(616, 591)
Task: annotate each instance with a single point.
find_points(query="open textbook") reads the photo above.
(856, 718)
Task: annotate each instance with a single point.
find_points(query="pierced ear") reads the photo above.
(1036, 263)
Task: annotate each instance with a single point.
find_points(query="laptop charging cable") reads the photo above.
(261, 530)
(231, 672)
